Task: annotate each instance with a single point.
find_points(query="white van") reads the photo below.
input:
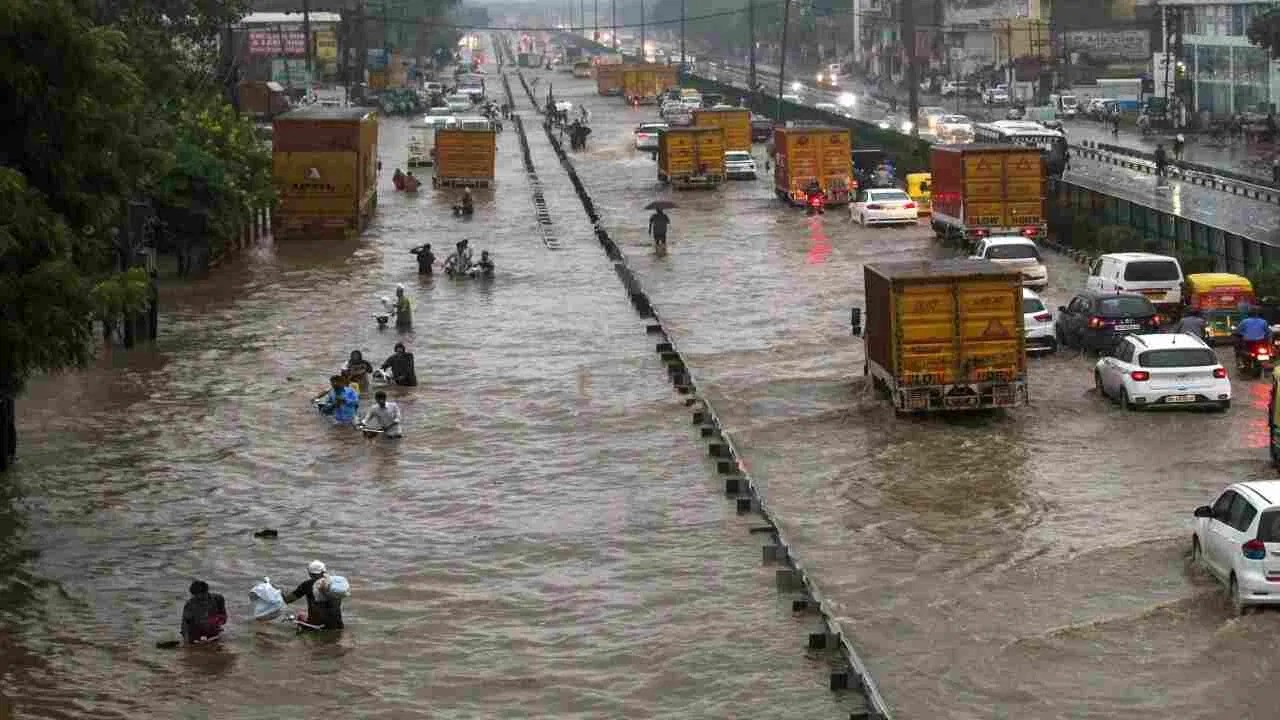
(1158, 277)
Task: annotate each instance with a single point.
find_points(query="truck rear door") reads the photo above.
(990, 321)
(983, 191)
(926, 333)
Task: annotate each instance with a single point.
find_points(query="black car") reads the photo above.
(1097, 321)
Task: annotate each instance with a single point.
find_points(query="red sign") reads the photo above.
(292, 43)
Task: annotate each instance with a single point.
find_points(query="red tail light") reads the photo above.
(1140, 375)
(875, 206)
(1157, 321)
(1220, 373)
(1255, 549)
(1043, 317)
(1029, 232)
(909, 205)
(1095, 322)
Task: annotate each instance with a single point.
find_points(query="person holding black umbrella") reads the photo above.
(658, 224)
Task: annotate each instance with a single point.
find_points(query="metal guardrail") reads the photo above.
(1202, 175)
(853, 672)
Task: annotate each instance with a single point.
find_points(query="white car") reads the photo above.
(1237, 538)
(679, 116)
(432, 87)
(792, 98)
(954, 129)
(956, 87)
(827, 107)
(739, 164)
(458, 103)
(1037, 318)
(1161, 370)
(647, 135)
(1017, 252)
(884, 206)
(998, 95)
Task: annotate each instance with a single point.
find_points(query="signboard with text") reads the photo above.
(326, 45)
(290, 73)
(1109, 44)
(292, 43)
(981, 12)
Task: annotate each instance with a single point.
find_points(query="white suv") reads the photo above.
(1238, 539)
(1163, 369)
(1017, 252)
(1037, 319)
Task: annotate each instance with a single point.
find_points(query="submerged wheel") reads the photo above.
(1125, 402)
(1238, 608)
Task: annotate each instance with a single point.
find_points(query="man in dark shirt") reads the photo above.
(204, 614)
(426, 259)
(658, 223)
(323, 611)
(401, 365)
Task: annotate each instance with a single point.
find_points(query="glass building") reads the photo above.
(1228, 74)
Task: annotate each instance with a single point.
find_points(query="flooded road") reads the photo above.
(546, 541)
(1025, 564)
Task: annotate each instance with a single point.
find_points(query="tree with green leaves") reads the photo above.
(1264, 31)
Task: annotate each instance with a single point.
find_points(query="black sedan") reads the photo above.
(1097, 321)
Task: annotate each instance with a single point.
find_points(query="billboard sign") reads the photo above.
(1114, 45)
(377, 58)
(289, 73)
(982, 12)
(291, 43)
(326, 45)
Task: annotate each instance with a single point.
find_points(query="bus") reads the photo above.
(1017, 132)
(1126, 91)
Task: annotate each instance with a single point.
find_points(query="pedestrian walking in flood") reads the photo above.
(1162, 162)
(1178, 143)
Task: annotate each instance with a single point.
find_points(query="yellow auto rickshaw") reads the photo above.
(919, 187)
(1223, 300)
(1273, 418)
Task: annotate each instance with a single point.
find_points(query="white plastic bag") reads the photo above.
(338, 587)
(268, 601)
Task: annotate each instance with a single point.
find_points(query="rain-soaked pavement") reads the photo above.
(546, 541)
(1029, 564)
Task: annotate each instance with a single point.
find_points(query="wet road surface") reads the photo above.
(546, 541)
(1023, 564)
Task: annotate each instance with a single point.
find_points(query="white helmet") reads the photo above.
(315, 568)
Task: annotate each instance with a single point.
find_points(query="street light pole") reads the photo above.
(682, 12)
(595, 19)
(782, 63)
(643, 55)
(613, 18)
(751, 25)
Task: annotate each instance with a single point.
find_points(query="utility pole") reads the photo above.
(613, 18)
(595, 19)
(362, 47)
(682, 12)
(582, 15)
(913, 82)
(644, 57)
(857, 37)
(782, 63)
(751, 24)
(306, 35)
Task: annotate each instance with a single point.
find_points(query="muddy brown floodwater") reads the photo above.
(546, 541)
(1029, 564)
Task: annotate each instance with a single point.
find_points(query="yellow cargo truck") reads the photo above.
(644, 84)
(324, 163)
(981, 190)
(736, 123)
(807, 154)
(465, 157)
(609, 79)
(945, 334)
(691, 157)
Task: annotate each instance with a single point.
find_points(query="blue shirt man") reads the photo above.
(343, 400)
(1254, 328)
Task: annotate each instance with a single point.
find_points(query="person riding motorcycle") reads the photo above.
(1253, 329)
(1192, 323)
(815, 198)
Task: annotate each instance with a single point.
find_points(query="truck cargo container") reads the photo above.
(807, 154)
(736, 124)
(262, 100)
(644, 84)
(691, 156)
(464, 157)
(945, 334)
(325, 167)
(609, 79)
(582, 69)
(981, 190)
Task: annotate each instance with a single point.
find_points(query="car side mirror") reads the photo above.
(1204, 511)
(1062, 308)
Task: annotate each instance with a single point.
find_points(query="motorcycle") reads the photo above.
(816, 205)
(1255, 357)
(388, 311)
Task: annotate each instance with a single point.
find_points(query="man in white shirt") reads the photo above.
(384, 416)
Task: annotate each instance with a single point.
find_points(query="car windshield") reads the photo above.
(650, 128)
(953, 120)
(1012, 252)
(887, 195)
(737, 156)
(1125, 306)
(1178, 357)
(1152, 271)
(1031, 305)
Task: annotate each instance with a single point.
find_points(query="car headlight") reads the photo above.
(907, 125)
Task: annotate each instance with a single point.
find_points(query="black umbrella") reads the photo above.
(660, 205)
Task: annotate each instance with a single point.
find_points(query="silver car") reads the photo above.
(739, 165)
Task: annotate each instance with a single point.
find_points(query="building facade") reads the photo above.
(1226, 73)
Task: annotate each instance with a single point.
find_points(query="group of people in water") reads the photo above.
(405, 182)
(459, 263)
(341, 400)
(204, 616)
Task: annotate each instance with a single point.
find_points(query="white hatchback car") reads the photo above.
(1237, 538)
(647, 135)
(884, 206)
(1161, 370)
(739, 164)
(1017, 252)
(1037, 319)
